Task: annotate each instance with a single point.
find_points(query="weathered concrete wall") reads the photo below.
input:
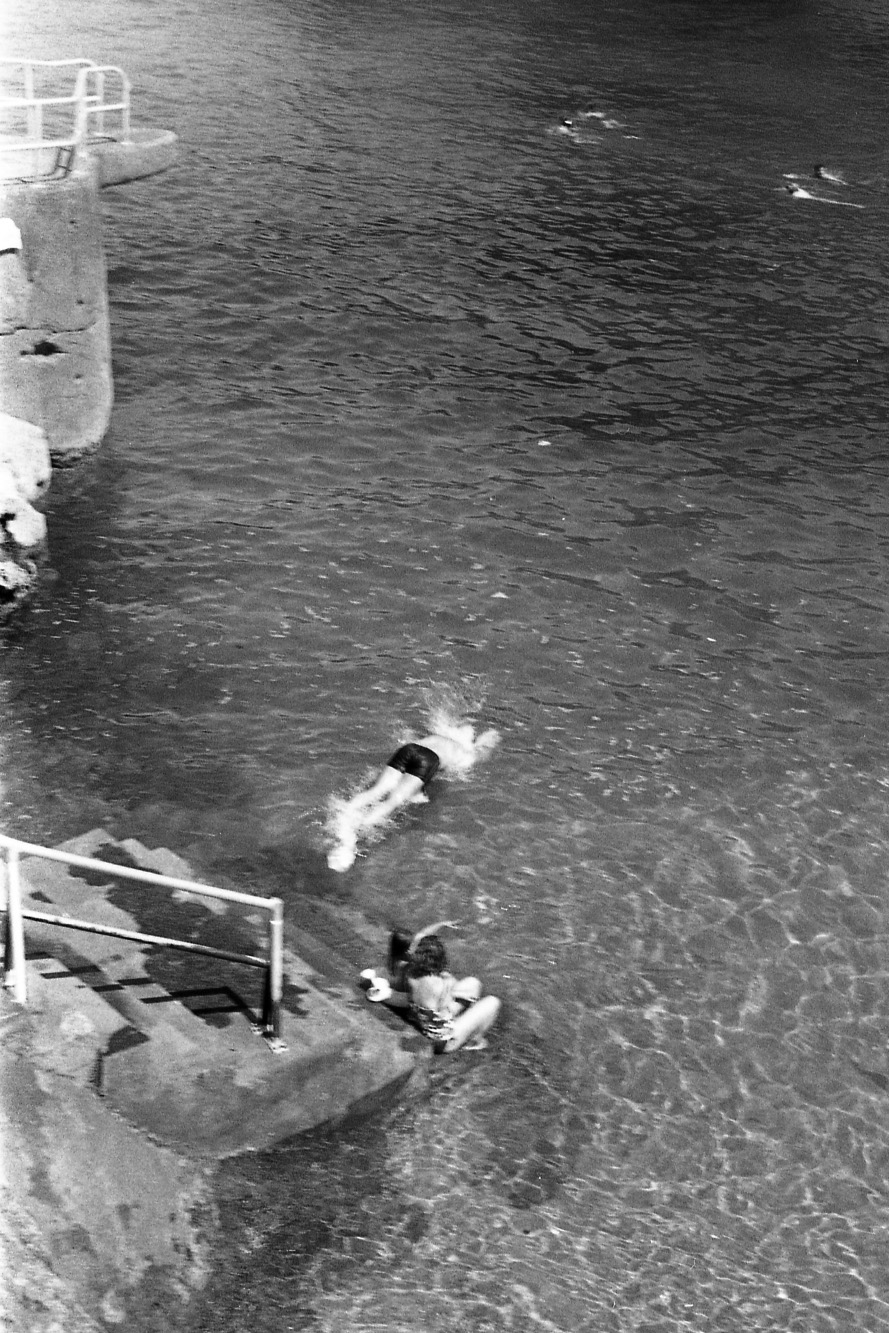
(113, 1108)
(97, 1222)
(55, 342)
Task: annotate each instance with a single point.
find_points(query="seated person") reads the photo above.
(451, 1013)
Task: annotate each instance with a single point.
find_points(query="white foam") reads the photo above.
(342, 857)
(446, 715)
(445, 721)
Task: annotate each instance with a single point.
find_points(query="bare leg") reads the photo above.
(404, 791)
(391, 790)
(470, 1027)
(467, 989)
(389, 779)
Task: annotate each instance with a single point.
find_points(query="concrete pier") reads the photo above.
(195, 1074)
(65, 134)
(120, 1093)
(55, 338)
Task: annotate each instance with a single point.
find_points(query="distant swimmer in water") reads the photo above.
(607, 122)
(568, 128)
(403, 781)
(797, 192)
(828, 174)
(579, 128)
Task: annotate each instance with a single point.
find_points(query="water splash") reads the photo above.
(446, 709)
(449, 709)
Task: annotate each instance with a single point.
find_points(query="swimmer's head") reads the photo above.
(428, 958)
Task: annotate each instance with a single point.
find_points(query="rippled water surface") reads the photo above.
(421, 401)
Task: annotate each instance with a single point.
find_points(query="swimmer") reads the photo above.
(797, 192)
(403, 781)
(568, 128)
(826, 174)
(608, 123)
(451, 1013)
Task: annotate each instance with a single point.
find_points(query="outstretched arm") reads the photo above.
(432, 930)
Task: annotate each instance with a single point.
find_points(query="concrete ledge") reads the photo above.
(55, 340)
(116, 1101)
(90, 1207)
(145, 153)
(207, 1089)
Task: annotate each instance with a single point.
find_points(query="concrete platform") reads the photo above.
(146, 152)
(93, 1212)
(126, 1079)
(185, 1062)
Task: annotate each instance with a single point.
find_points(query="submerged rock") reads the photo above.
(17, 580)
(24, 456)
(25, 472)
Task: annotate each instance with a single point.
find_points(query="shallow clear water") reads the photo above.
(422, 402)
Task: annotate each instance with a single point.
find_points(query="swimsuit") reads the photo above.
(439, 1030)
(415, 760)
(434, 1006)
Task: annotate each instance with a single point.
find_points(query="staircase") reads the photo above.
(183, 1059)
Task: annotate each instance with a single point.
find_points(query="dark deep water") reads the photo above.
(421, 403)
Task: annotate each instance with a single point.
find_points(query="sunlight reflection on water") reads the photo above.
(342, 326)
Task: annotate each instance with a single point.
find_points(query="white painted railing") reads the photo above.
(50, 110)
(11, 849)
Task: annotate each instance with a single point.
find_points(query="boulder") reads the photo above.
(17, 579)
(24, 454)
(24, 477)
(21, 525)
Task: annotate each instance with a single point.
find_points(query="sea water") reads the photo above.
(582, 435)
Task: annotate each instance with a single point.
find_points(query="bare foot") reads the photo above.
(342, 857)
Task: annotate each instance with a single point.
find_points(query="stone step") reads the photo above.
(116, 1018)
(76, 1025)
(123, 970)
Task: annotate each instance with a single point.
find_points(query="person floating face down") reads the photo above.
(451, 1013)
(403, 781)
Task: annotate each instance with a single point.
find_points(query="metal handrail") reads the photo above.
(14, 936)
(97, 105)
(89, 110)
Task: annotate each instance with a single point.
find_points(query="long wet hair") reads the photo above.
(399, 950)
(428, 959)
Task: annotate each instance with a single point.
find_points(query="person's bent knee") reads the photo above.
(473, 1023)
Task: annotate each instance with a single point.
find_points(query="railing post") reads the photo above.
(274, 979)
(81, 116)
(100, 98)
(125, 114)
(14, 978)
(33, 127)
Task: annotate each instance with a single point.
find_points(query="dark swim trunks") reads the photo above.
(417, 761)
